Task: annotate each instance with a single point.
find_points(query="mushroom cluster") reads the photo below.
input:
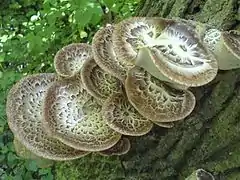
(135, 74)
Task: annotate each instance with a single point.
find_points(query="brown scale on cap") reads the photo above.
(24, 112)
(74, 117)
(155, 100)
(105, 55)
(98, 82)
(121, 116)
(69, 60)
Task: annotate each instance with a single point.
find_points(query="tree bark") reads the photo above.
(209, 138)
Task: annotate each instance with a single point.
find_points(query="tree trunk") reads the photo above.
(208, 139)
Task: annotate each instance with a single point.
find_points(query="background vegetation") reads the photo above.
(31, 32)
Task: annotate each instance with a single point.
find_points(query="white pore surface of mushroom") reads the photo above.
(69, 60)
(24, 113)
(74, 117)
(172, 51)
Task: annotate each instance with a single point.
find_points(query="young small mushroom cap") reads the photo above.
(200, 174)
(98, 82)
(211, 38)
(121, 148)
(155, 100)
(174, 51)
(105, 56)
(74, 117)
(24, 113)
(69, 60)
(121, 116)
(227, 50)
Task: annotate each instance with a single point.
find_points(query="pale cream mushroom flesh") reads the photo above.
(169, 50)
(105, 56)
(156, 100)
(69, 60)
(98, 82)
(226, 47)
(74, 117)
(121, 116)
(121, 148)
(24, 113)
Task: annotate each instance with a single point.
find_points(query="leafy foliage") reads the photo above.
(31, 32)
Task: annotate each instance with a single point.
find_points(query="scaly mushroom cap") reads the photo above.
(155, 100)
(121, 116)
(122, 147)
(74, 117)
(174, 49)
(227, 50)
(24, 112)
(98, 82)
(24, 153)
(105, 56)
(211, 38)
(69, 60)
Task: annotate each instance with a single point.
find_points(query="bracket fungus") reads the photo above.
(174, 52)
(135, 74)
(74, 117)
(69, 60)
(98, 82)
(121, 116)
(122, 147)
(225, 45)
(24, 113)
(105, 55)
(156, 100)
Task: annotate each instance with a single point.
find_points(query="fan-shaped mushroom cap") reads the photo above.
(69, 60)
(24, 112)
(227, 50)
(121, 116)
(105, 56)
(174, 51)
(24, 153)
(98, 82)
(74, 117)
(155, 100)
(122, 147)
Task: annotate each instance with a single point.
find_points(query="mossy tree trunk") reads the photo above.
(208, 139)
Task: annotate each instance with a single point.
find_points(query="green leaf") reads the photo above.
(2, 56)
(109, 3)
(31, 165)
(83, 17)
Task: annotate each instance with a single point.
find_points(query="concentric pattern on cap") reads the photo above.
(121, 116)
(105, 56)
(98, 82)
(211, 38)
(232, 40)
(180, 56)
(24, 112)
(74, 117)
(155, 100)
(69, 60)
(122, 147)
